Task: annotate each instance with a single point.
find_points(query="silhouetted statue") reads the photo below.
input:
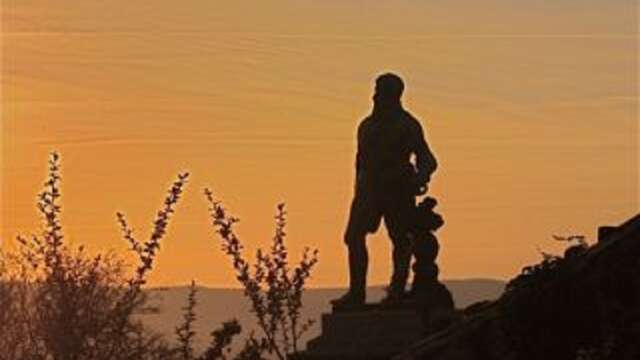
(386, 186)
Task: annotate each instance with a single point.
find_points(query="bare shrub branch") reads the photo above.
(273, 288)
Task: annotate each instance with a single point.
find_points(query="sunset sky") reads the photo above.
(531, 108)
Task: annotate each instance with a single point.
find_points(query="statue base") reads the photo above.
(371, 331)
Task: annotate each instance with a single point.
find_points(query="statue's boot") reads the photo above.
(351, 298)
(392, 298)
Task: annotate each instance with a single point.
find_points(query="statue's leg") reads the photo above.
(398, 217)
(358, 263)
(401, 261)
(364, 217)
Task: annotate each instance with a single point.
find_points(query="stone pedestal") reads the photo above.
(368, 332)
(379, 332)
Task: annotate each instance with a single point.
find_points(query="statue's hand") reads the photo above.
(421, 190)
(420, 187)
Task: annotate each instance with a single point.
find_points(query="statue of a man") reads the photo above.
(386, 186)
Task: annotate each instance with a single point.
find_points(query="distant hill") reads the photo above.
(218, 305)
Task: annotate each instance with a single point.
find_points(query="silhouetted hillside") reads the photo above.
(584, 305)
(217, 305)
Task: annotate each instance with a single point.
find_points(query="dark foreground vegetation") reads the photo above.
(58, 302)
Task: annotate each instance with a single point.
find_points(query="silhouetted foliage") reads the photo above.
(546, 269)
(59, 302)
(274, 288)
(185, 332)
(221, 338)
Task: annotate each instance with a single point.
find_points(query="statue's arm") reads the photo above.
(359, 151)
(426, 162)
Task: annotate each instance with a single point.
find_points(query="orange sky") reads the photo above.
(531, 111)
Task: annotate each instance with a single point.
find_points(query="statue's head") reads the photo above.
(389, 88)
